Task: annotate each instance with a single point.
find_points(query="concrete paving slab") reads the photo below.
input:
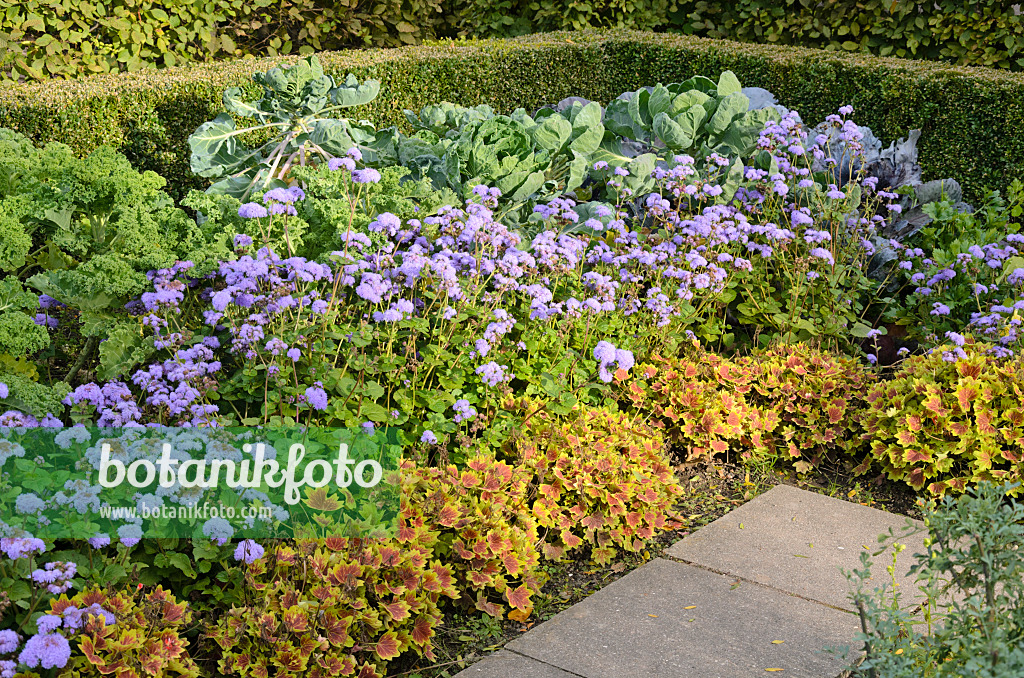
(504, 664)
(797, 541)
(671, 620)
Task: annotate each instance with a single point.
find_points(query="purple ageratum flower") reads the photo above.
(8, 668)
(604, 352)
(939, 309)
(242, 240)
(316, 397)
(4, 391)
(335, 164)
(624, 359)
(822, 253)
(219, 530)
(252, 210)
(366, 176)
(464, 411)
(99, 541)
(428, 437)
(872, 358)
(44, 320)
(48, 623)
(8, 641)
(354, 153)
(493, 373)
(367, 427)
(385, 222)
(294, 354)
(21, 547)
(957, 339)
(130, 534)
(248, 552)
(46, 650)
(280, 208)
(288, 196)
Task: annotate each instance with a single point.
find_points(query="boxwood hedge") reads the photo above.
(972, 118)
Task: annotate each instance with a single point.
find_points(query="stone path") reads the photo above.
(722, 600)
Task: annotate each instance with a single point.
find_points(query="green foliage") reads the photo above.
(944, 422)
(293, 112)
(971, 574)
(529, 159)
(70, 38)
(981, 250)
(88, 229)
(26, 392)
(19, 335)
(970, 119)
(791, 401)
(518, 17)
(696, 116)
(981, 33)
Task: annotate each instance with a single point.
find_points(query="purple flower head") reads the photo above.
(248, 552)
(242, 240)
(335, 164)
(130, 534)
(219, 530)
(604, 352)
(367, 427)
(99, 541)
(48, 623)
(4, 391)
(21, 547)
(354, 153)
(75, 618)
(493, 374)
(8, 641)
(294, 354)
(428, 437)
(366, 176)
(464, 411)
(316, 397)
(822, 253)
(288, 196)
(957, 339)
(46, 650)
(252, 210)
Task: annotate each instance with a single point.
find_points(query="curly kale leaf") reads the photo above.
(28, 395)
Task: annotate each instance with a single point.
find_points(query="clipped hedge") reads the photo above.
(68, 38)
(965, 32)
(972, 118)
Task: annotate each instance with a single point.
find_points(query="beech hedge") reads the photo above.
(972, 118)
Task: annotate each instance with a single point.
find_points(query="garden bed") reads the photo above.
(556, 339)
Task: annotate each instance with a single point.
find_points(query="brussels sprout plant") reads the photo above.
(294, 109)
